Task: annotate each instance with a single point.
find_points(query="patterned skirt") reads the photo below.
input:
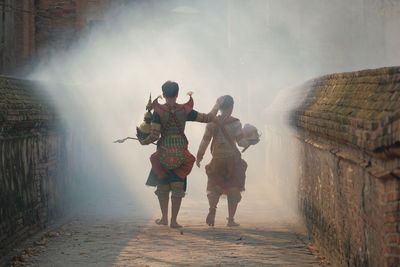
(159, 174)
(226, 173)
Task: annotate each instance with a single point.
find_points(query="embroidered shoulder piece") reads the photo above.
(161, 109)
(157, 107)
(188, 106)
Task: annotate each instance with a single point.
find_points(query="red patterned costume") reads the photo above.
(172, 162)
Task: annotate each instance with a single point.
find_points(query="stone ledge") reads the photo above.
(349, 130)
(361, 108)
(25, 109)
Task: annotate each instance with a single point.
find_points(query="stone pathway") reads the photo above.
(140, 242)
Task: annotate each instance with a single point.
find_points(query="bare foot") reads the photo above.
(161, 222)
(210, 220)
(232, 223)
(175, 225)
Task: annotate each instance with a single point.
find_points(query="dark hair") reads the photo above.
(228, 103)
(170, 89)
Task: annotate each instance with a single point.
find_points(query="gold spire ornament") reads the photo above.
(144, 129)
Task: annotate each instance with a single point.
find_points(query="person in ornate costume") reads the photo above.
(227, 170)
(172, 162)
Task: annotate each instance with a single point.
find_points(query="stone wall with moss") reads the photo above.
(349, 191)
(32, 161)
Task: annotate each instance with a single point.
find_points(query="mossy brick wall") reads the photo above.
(32, 161)
(349, 190)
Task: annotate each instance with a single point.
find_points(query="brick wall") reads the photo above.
(17, 35)
(32, 161)
(25, 34)
(55, 26)
(349, 191)
(59, 22)
(35, 30)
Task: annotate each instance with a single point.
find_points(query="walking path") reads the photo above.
(132, 241)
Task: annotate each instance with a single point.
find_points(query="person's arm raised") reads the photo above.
(209, 117)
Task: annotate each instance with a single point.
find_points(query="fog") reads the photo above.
(249, 49)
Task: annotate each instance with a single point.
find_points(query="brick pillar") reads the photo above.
(58, 22)
(55, 26)
(25, 34)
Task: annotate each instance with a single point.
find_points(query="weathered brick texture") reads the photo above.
(59, 22)
(32, 161)
(349, 190)
(17, 35)
(34, 30)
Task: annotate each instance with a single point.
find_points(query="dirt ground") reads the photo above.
(87, 240)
